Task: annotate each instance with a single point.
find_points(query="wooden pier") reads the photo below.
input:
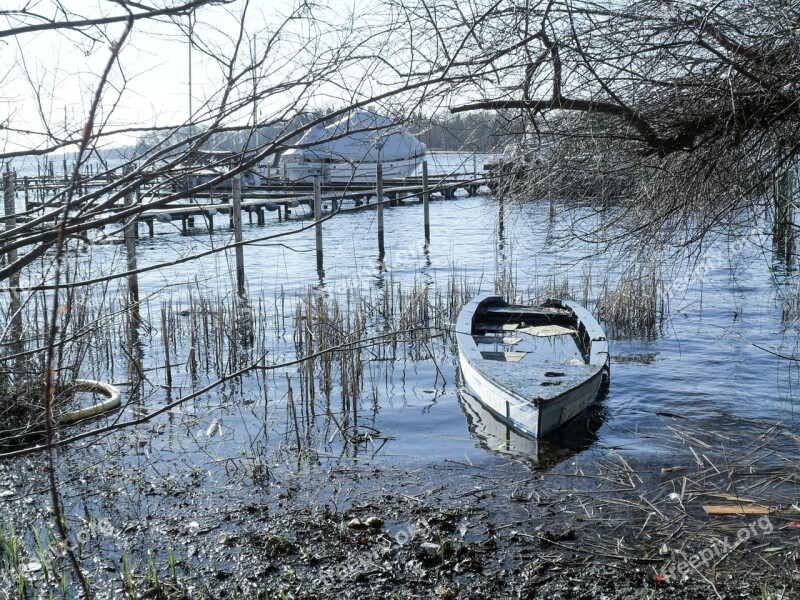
(256, 201)
(158, 201)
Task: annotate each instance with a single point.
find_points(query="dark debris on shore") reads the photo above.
(588, 529)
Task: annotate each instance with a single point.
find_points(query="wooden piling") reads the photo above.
(426, 199)
(237, 233)
(501, 221)
(138, 201)
(165, 340)
(130, 249)
(317, 217)
(15, 306)
(10, 211)
(379, 182)
(26, 183)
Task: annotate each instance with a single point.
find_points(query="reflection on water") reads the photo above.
(496, 435)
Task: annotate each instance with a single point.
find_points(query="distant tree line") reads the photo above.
(481, 131)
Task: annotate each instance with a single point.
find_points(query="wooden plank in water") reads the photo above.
(736, 509)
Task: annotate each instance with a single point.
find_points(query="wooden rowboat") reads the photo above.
(533, 367)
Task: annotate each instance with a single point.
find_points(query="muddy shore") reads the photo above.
(598, 526)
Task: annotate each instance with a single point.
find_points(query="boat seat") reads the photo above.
(512, 310)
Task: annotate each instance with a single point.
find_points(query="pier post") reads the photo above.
(501, 221)
(782, 230)
(15, 306)
(237, 233)
(379, 174)
(131, 226)
(426, 199)
(138, 201)
(165, 340)
(26, 183)
(8, 199)
(317, 217)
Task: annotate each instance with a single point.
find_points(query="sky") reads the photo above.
(48, 78)
(314, 56)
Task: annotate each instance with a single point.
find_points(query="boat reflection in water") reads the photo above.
(497, 435)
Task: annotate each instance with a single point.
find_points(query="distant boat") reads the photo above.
(348, 151)
(533, 367)
(203, 166)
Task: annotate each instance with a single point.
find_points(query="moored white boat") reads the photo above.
(533, 367)
(348, 151)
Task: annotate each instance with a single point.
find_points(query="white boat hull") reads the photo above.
(344, 172)
(496, 433)
(506, 405)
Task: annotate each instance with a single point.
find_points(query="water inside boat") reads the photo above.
(550, 344)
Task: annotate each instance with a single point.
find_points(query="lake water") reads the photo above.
(704, 370)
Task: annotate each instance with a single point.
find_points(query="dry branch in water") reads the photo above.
(681, 112)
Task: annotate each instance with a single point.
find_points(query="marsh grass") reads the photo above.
(22, 415)
(632, 305)
(635, 305)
